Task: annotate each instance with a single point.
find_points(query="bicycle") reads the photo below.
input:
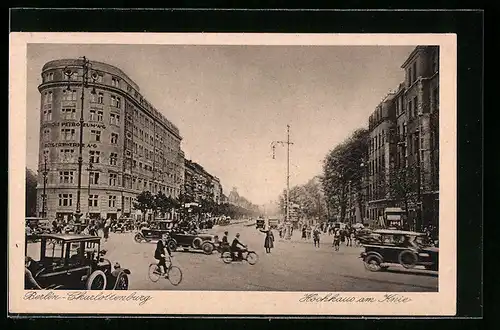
(173, 273)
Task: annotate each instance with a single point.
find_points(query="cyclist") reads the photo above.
(235, 246)
(161, 251)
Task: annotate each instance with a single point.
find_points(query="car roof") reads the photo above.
(71, 237)
(396, 232)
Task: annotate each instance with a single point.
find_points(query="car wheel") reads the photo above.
(96, 281)
(122, 282)
(197, 243)
(227, 257)
(172, 245)
(138, 238)
(372, 263)
(207, 248)
(408, 259)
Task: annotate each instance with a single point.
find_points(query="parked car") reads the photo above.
(74, 262)
(197, 241)
(154, 231)
(406, 248)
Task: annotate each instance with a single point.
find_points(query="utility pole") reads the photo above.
(84, 83)
(287, 143)
(44, 195)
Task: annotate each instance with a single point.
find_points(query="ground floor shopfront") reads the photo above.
(101, 203)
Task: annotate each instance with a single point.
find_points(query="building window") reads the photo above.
(68, 113)
(95, 115)
(65, 176)
(95, 135)
(46, 134)
(67, 155)
(100, 98)
(46, 154)
(93, 200)
(65, 199)
(47, 115)
(94, 156)
(68, 134)
(112, 201)
(114, 138)
(115, 82)
(113, 158)
(50, 76)
(115, 101)
(47, 98)
(114, 119)
(94, 177)
(415, 106)
(112, 179)
(69, 95)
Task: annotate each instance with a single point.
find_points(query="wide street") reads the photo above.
(293, 265)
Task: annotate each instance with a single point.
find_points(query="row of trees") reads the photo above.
(160, 203)
(31, 182)
(310, 197)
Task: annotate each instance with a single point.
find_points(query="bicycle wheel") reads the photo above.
(252, 258)
(174, 275)
(154, 272)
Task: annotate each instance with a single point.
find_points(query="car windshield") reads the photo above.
(423, 241)
(33, 250)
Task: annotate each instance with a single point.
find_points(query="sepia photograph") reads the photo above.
(232, 167)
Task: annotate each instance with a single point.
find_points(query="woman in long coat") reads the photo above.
(268, 240)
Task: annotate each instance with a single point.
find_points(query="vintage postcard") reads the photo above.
(232, 174)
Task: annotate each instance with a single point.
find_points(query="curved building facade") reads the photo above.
(128, 145)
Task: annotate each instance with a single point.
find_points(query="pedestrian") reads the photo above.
(107, 226)
(309, 230)
(304, 232)
(348, 238)
(316, 234)
(268, 240)
(336, 239)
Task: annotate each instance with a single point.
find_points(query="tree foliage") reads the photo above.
(344, 166)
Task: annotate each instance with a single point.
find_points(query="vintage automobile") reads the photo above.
(409, 249)
(74, 262)
(273, 223)
(193, 240)
(154, 231)
(260, 223)
(119, 227)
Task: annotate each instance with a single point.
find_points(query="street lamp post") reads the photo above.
(84, 83)
(287, 143)
(44, 194)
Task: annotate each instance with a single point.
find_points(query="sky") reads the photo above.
(231, 102)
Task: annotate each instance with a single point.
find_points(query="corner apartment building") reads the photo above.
(128, 145)
(404, 132)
